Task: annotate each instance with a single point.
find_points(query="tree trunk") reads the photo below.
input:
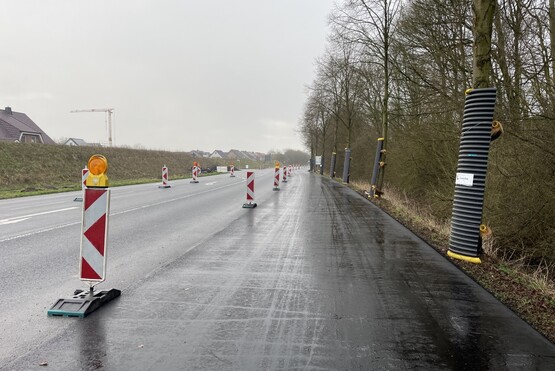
(552, 37)
(483, 25)
(385, 108)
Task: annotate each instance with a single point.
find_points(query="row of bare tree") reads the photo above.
(398, 70)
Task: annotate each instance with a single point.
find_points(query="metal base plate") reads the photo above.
(232, 176)
(276, 188)
(78, 199)
(164, 186)
(82, 304)
(250, 205)
(193, 181)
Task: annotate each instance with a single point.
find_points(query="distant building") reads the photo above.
(235, 154)
(218, 154)
(80, 143)
(18, 127)
(198, 153)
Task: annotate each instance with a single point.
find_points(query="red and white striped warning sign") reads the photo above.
(232, 170)
(165, 177)
(84, 175)
(250, 185)
(284, 173)
(276, 179)
(94, 235)
(195, 174)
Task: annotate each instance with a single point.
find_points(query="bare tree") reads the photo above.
(370, 24)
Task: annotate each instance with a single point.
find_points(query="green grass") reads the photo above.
(34, 169)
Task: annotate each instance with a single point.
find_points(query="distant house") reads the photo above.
(80, 143)
(218, 154)
(18, 127)
(258, 156)
(198, 153)
(235, 154)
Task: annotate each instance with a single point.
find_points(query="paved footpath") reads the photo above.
(316, 278)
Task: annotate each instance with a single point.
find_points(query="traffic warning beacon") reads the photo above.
(98, 166)
(94, 245)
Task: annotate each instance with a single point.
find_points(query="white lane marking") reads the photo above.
(25, 217)
(7, 221)
(211, 183)
(39, 231)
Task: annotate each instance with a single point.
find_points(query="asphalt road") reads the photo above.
(315, 277)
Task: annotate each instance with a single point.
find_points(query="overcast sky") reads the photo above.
(181, 74)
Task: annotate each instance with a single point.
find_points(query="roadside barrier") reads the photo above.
(94, 245)
(276, 177)
(250, 191)
(96, 208)
(84, 175)
(165, 177)
(195, 172)
(232, 171)
(284, 173)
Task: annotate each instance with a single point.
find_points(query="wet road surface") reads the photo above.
(315, 277)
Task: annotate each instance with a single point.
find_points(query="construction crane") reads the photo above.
(108, 112)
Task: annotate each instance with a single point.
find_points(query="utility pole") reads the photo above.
(108, 112)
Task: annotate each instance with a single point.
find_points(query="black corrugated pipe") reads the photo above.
(347, 165)
(465, 241)
(332, 165)
(379, 148)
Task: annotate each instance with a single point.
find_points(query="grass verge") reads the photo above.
(34, 191)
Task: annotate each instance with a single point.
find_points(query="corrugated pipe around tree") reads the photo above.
(465, 241)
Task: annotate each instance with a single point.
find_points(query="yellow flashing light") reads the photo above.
(470, 259)
(98, 166)
(277, 165)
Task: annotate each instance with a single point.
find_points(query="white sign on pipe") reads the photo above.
(465, 179)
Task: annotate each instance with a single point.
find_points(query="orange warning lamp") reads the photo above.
(98, 166)
(277, 165)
